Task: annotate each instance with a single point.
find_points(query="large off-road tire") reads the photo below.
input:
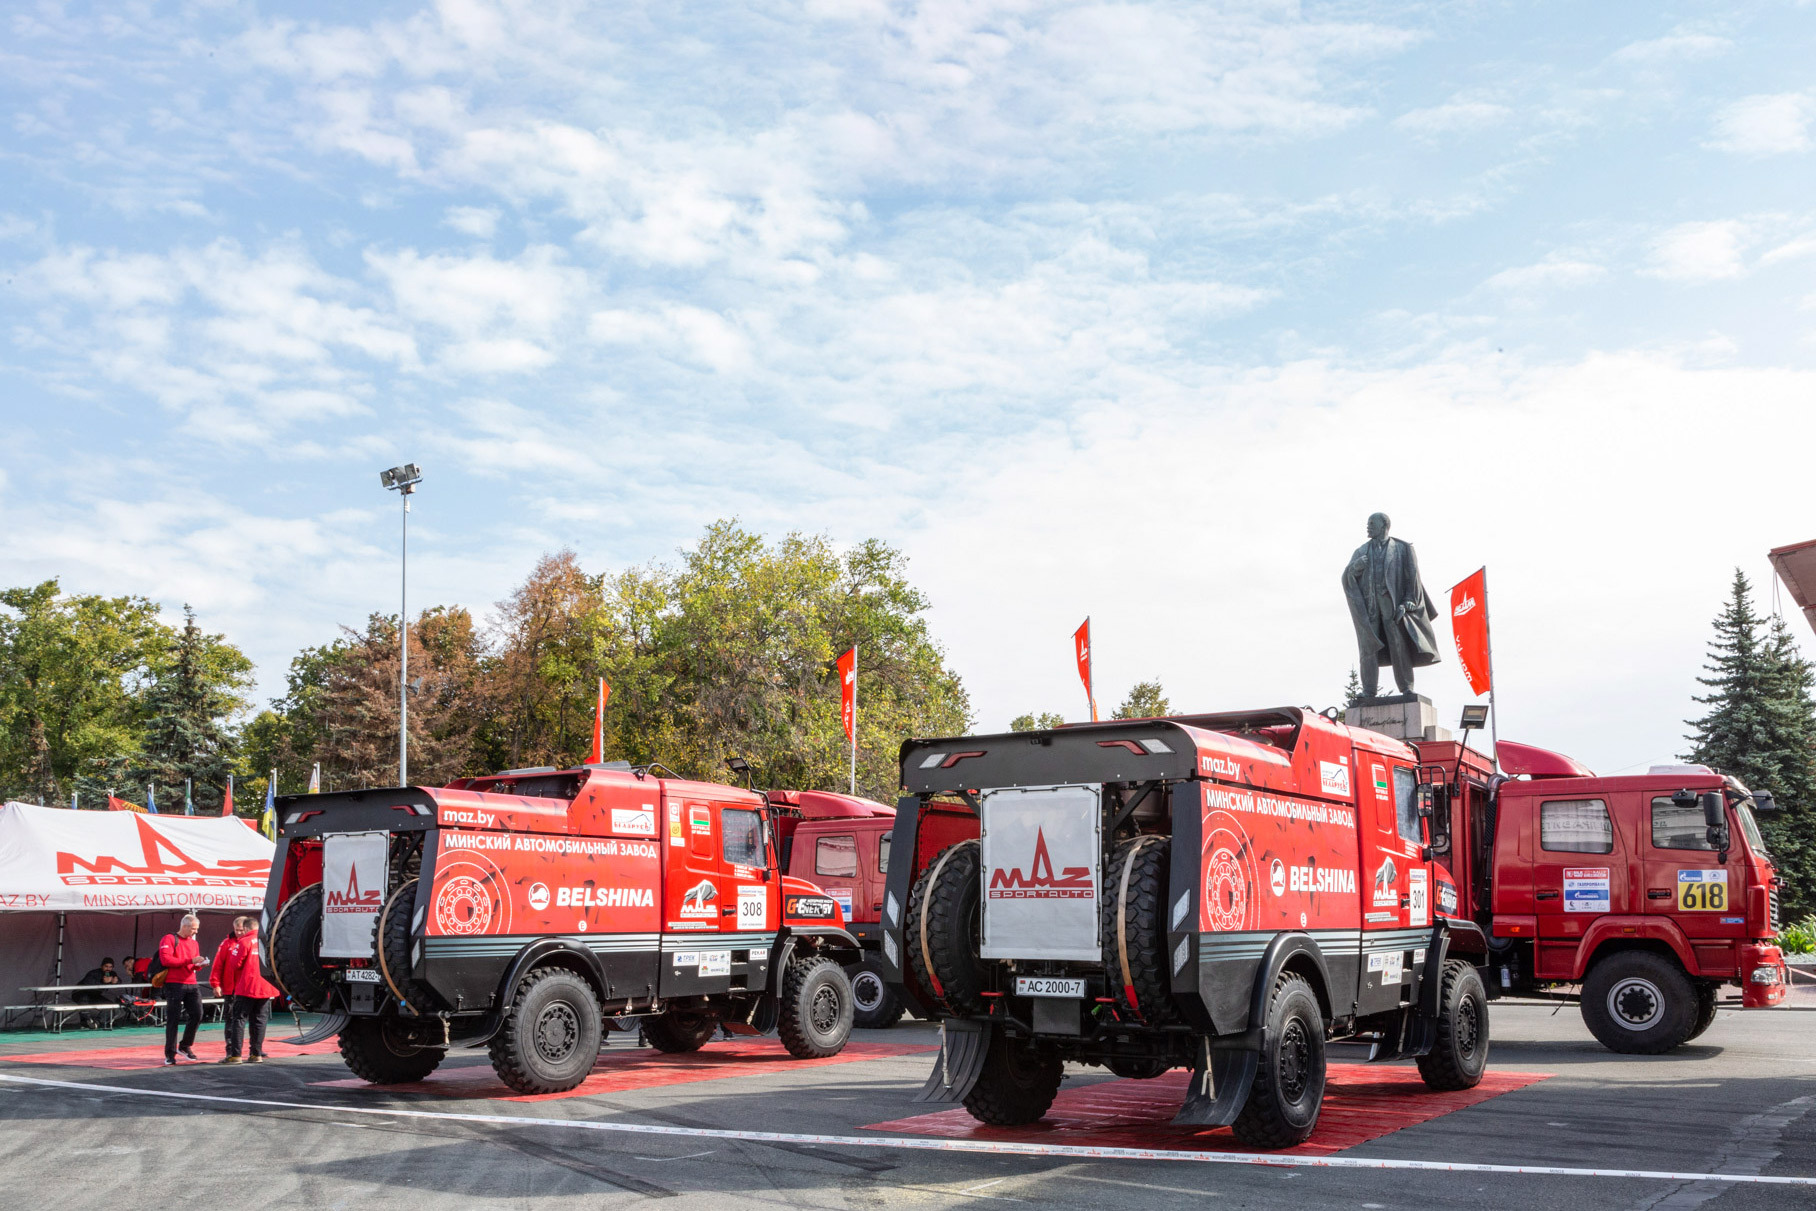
(393, 940)
(676, 1032)
(1016, 1085)
(1638, 1002)
(1134, 929)
(1706, 994)
(874, 1005)
(1459, 1055)
(816, 1009)
(1282, 1106)
(379, 1050)
(296, 950)
(549, 1039)
(944, 930)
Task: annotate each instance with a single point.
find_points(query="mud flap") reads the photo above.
(330, 1024)
(1422, 1031)
(1219, 1087)
(963, 1046)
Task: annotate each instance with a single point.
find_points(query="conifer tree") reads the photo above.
(1790, 832)
(189, 708)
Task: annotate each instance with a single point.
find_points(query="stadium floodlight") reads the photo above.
(403, 481)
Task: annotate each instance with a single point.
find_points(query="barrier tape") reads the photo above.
(915, 1143)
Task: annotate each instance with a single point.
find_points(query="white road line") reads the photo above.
(916, 1143)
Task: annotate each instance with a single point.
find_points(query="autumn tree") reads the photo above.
(1032, 722)
(1146, 700)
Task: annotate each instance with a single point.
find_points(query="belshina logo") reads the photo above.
(1464, 606)
(1073, 883)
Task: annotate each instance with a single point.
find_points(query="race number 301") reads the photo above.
(1702, 891)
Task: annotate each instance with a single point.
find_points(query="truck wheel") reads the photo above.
(1705, 1009)
(816, 1009)
(1460, 1053)
(944, 933)
(874, 1004)
(676, 1032)
(1282, 1106)
(550, 1036)
(1639, 1003)
(1016, 1086)
(1134, 926)
(394, 937)
(379, 1051)
(296, 949)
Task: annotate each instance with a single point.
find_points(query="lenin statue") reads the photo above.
(1387, 602)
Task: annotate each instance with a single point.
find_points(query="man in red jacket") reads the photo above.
(181, 954)
(248, 994)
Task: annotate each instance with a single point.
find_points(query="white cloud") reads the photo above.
(1701, 252)
(1681, 44)
(478, 221)
(503, 315)
(1457, 114)
(1766, 125)
(1552, 273)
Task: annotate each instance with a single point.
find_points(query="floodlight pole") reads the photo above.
(403, 638)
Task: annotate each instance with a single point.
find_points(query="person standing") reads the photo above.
(181, 954)
(236, 977)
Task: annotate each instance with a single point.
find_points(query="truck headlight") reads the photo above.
(1764, 975)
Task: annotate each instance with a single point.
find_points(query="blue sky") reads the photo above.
(1134, 310)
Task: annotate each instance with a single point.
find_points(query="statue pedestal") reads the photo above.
(1402, 716)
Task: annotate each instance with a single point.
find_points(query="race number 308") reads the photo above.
(1702, 890)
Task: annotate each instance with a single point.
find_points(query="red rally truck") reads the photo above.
(1220, 892)
(1640, 896)
(530, 911)
(841, 843)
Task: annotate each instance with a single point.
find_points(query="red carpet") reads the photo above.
(152, 1056)
(1361, 1102)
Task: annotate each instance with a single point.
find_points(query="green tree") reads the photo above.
(196, 690)
(1352, 689)
(1759, 727)
(1045, 721)
(73, 672)
(1146, 700)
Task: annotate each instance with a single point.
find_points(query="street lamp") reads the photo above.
(403, 481)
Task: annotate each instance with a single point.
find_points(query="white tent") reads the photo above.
(77, 886)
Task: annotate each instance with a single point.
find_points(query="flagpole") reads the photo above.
(1494, 712)
(854, 720)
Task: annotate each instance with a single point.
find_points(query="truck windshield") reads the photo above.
(1749, 828)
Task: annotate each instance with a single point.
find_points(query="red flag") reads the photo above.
(227, 800)
(598, 757)
(121, 805)
(848, 691)
(1469, 627)
(1081, 648)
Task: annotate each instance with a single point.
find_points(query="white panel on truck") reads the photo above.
(1040, 872)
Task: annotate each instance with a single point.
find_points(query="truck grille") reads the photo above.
(1772, 900)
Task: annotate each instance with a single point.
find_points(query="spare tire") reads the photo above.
(296, 950)
(394, 939)
(944, 930)
(1134, 929)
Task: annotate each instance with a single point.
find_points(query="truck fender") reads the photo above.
(544, 952)
(1300, 951)
(830, 937)
(1628, 930)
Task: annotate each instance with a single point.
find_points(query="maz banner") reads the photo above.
(1040, 852)
(53, 859)
(353, 890)
(1469, 627)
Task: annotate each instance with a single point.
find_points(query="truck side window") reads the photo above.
(1406, 805)
(1576, 826)
(882, 853)
(743, 836)
(1678, 827)
(837, 856)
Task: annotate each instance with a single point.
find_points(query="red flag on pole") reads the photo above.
(1081, 648)
(227, 799)
(848, 692)
(598, 757)
(1469, 627)
(121, 805)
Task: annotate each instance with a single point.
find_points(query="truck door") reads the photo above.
(837, 870)
(1579, 873)
(1396, 889)
(1685, 880)
(721, 905)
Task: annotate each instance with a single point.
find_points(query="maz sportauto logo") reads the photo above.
(1464, 606)
(1072, 883)
(698, 902)
(354, 898)
(161, 861)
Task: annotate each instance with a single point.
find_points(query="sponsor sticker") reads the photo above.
(1334, 778)
(1586, 889)
(1387, 893)
(1390, 965)
(1381, 788)
(1276, 877)
(539, 896)
(674, 824)
(604, 897)
(1702, 890)
(640, 821)
(842, 896)
(687, 958)
(700, 820)
(753, 907)
(715, 962)
(1418, 904)
(808, 907)
(701, 900)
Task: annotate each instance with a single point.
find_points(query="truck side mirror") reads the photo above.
(1763, 802)
(1715, 816)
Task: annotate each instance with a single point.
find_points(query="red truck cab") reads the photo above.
(840, 843)
(1649, 891)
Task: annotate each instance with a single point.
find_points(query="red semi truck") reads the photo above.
(841, 843)
(1641, 896)
(1219, 892)
(531, 910)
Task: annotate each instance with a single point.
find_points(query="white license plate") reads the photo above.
(361, 975)
(1047, 986)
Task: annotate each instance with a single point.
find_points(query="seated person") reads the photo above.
(104, 974)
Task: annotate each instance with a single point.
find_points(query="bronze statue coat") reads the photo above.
(1406, 588)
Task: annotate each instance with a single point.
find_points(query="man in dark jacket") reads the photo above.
(89, 995)
(181, 954)
(1388, 604)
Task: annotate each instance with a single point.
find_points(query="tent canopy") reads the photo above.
(1796, 566)
(53, 859)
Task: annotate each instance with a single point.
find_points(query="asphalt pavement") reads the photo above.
(106, 1131)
